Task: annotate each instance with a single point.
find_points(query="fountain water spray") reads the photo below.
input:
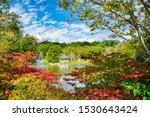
(40, 61)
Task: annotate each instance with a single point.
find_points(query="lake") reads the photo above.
(64, 69)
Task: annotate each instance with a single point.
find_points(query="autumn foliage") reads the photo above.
(102, 94)
(114, 77)
(16, 66)
(140, 71)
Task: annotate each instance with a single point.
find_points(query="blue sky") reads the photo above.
(46, 21)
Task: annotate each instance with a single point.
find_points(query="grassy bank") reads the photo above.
(81, 61)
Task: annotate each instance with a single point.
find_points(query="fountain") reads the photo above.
(40, 61)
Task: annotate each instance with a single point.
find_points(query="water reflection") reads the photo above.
(64, 69)
(70, 84)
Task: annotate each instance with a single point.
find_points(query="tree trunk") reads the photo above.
(142, 41)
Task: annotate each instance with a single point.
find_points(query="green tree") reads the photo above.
(10, 28)
(125, 18)
(27, 43)
(5, 15)
(108, 43)
(9, 34)
(53, 54)
(44, 47)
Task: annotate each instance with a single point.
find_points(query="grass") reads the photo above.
(86, 62)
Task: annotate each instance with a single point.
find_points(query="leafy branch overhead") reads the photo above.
(124, 18)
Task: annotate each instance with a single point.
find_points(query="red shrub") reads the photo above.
(138, 71)
(102, 94)
(14, 66)
(137, 75)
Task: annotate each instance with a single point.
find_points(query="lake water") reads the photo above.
(64, 69)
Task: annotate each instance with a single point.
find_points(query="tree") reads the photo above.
(125, 18)
(9, 34)
(53, 54)
(10, 28)
(108, 43)
(44, 47)
(27, 43)
(5, 16)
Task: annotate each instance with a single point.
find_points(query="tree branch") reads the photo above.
(133, 23)
(127, 20)
(146, 6)
(134, 19)
(144, 52)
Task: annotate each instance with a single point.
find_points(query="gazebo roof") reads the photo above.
(65, 57)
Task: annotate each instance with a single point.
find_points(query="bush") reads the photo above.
(29, 88)
(126, 48)
(138, 89)
(102, 94)
(12, 68)
(138, 81)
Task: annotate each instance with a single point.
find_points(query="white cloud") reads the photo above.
(45, 28)
(17, 8)
(32, 10)
(26, 2)
(45, 17)
(25, 17)
(42, 8)
(31, 6)
(59, 10)
(47, 13)
(69, 33)
(80, 26)
(39, 1)
(50, 22)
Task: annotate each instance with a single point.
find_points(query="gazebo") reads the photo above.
(64, 59)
